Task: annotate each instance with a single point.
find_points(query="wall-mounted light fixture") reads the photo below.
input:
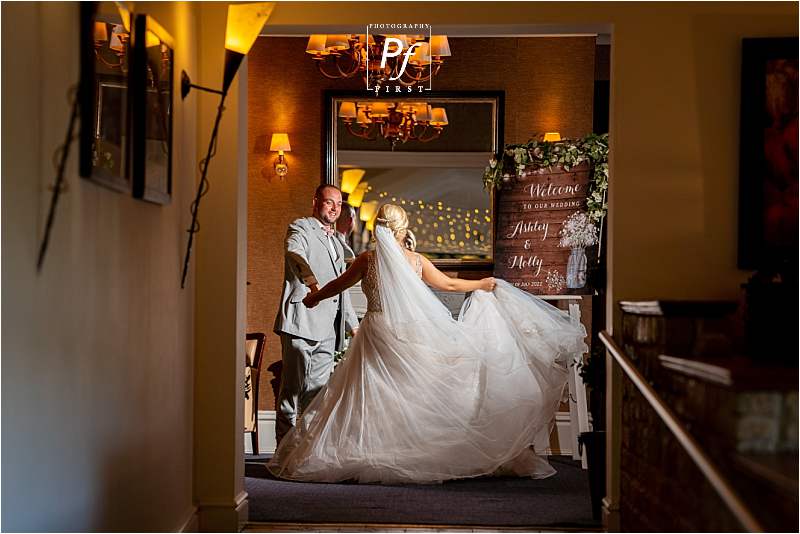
(245, 21)
(552, 136)
(280, 144)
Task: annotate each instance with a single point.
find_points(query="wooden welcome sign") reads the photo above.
(530, 212)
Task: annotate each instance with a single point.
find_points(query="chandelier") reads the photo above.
(346, 56)
(397, 122)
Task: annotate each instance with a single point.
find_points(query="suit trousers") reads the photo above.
(307, 365)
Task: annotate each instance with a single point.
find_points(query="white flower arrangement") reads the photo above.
(578, 231)
(555, 281)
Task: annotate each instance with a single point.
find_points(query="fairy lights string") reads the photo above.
(445, 229)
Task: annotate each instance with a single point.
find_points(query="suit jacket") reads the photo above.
(309, 260)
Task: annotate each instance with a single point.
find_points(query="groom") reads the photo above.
(309, 336)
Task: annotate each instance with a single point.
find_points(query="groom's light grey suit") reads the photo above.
(308, 335)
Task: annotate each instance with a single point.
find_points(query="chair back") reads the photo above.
(254, 352)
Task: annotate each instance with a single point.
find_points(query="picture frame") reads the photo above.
(152, 95)
(768, 167)
(104, 151)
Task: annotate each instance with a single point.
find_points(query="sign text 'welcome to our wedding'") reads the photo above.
(530, 212)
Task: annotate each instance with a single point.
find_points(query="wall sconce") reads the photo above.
(280, 144)
(244, 23)
(552, 136)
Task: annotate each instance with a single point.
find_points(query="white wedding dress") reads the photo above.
(422, 398)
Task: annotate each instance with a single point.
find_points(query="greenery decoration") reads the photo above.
(538, 156)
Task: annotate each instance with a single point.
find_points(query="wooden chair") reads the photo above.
(254, 347)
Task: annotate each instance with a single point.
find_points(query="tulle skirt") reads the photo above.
(442, 403)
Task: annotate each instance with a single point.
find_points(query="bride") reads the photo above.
(420, 397)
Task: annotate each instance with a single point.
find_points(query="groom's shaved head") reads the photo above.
(321, 190)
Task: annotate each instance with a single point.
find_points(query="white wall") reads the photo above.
(97, 350)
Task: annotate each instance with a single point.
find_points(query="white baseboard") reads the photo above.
(559, 442)
(266, 434)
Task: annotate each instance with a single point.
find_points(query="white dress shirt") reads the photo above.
(331, 245)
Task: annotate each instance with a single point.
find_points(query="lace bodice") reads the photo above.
(369, 285)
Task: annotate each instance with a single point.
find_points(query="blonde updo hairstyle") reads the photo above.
(396, 219)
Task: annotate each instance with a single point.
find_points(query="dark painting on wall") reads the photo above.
(105, 60)
(768, 180)
(151, 111)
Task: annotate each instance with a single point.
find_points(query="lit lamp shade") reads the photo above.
(347, 110)
(422, 54)
(423, 113)
(368, 210)
(405, 107)
(392, 44)
(337, 42)
(280, 143)
(116, 43)
(350, 179)
(316, 44)
(380, 109)
(357, 196)
(245, 22)
(362, 118)
(552, 136)
(438, 117)
(440, 46)
(100, 31)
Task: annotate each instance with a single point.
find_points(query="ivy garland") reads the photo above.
(566, 153)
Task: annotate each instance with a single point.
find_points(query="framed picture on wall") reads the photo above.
(151, 90)
(768, 193)
(104, 105)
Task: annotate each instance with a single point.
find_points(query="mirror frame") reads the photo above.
(330, 175)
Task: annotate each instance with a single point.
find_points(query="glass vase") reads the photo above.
(576, 268)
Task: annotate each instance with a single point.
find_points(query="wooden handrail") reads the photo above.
(689, 444)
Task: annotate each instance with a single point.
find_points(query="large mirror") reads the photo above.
(426, 153)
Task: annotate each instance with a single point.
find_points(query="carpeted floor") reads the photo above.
(559, 501)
